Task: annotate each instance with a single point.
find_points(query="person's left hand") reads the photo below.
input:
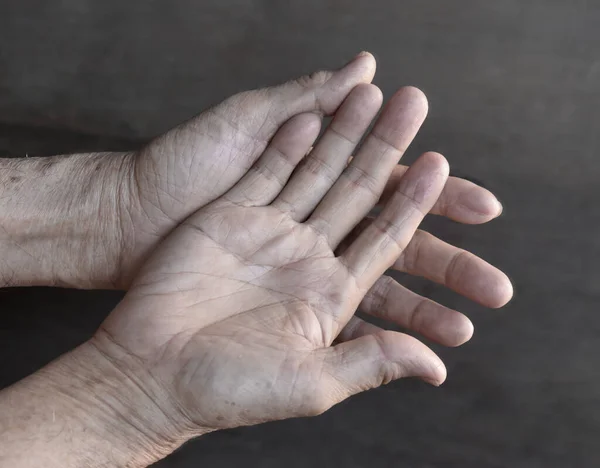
(198, 161)
(92, 220)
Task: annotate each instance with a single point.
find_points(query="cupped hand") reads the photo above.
(233, 319)
(200, 160)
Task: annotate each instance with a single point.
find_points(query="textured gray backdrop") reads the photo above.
(514, 89)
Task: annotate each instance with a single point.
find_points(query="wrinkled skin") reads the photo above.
(233, 318)
(199, 161)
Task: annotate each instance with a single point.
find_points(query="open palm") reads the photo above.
(236, 312)
(199, 161)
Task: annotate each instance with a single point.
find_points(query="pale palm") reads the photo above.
(235, 313)
(199, 161)
(242, 304)
(272, 293)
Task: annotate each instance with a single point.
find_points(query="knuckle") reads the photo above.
(415, 200)
(364, 181)
(393, 231)
(456, 267)
(379, 297)
(411, 255)
(315, 79)
(319, 167)
(417, 316)
(387, 369)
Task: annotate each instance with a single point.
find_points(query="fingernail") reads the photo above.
(433, 382)
(500, 207)
(361, 54)
(486, 204)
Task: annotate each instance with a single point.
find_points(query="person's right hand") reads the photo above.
(233, 319)
(197, 162)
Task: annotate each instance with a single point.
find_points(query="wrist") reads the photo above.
(115, 404)
(85, 410)
(120, 402)
(61, 220)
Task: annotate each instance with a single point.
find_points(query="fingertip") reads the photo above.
(414, 98)
(366, 62)
(364, 53)
(312, 122)
(495, 207)
(308, 123)
(369, 92)
(416, 359)
(364, 99)
(438, 374)
(429, 173)
(452, 329)
(297, 134)
(463, 333)
(377, 95)
(469, 330)
(424, 181)
(436, 162)
(503, 292)
(331, 88)
(362, 66)
(480, 202)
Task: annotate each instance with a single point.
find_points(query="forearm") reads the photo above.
(61, 220)
(82, 410)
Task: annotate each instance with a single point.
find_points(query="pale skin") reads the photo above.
(114, 208)
(245, 312)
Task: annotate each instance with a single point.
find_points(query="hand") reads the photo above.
(138, 389)
(232, 319)
(186, 352)
(219, 146)
(197, 162)
(114, 209)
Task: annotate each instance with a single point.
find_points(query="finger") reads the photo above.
(362, 182)
(375, 359)
(433, 259)
(321, 168)
(321, 92)
(457, 269)
(391, 301)
(461, 200)
(265, 180)
(378, 246)
(237, 131)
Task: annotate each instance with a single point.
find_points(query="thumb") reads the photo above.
(321, 92)
(324, 91)
(376, 359)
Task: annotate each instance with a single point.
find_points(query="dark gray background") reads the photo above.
(514, 89)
